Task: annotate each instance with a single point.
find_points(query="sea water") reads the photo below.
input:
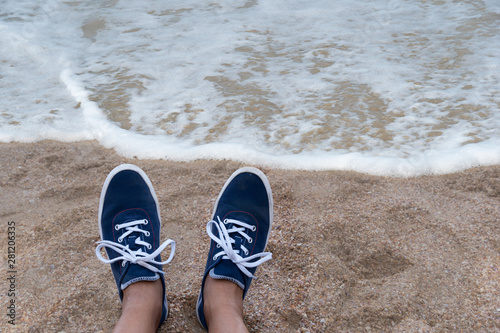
(387, 87)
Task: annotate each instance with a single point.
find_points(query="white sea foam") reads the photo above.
(393, 88)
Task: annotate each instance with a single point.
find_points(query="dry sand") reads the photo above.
(352, 252)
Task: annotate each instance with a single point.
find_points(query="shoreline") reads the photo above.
(351, 252)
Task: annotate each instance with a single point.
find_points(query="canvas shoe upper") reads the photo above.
(129, 225)
(239, 231)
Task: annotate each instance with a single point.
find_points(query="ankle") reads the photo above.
(150, 292)
(223, 306)
(144, 299)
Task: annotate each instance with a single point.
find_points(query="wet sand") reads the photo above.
(352, 252)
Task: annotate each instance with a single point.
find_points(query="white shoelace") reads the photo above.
(225, 242)
(138, 256)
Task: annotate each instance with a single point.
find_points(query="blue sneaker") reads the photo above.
(129, 224)
(239, 231)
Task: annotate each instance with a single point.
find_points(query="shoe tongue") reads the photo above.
(227, 270)
(237, 243)
(131, 243)
(134, 272)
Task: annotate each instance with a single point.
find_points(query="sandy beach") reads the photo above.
(351, 252)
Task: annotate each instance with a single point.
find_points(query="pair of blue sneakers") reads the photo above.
(129, 225)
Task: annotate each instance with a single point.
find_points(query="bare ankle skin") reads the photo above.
(223, 306)
(141, 308)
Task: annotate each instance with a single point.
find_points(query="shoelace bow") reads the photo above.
(225, 242)
(135, 256)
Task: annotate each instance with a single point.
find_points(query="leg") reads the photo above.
(223, 306)
(141, 308)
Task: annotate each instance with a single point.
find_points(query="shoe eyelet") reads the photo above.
(147, 234)
(254, 228)
(250, 241)
(124, 263)
(149, 246)
(217, 246)
(145, 221)
(246, 253)
(214, 258)
(117, 227)
(225, 221)
(120, 240)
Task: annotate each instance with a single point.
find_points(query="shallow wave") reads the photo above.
(394, 88)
